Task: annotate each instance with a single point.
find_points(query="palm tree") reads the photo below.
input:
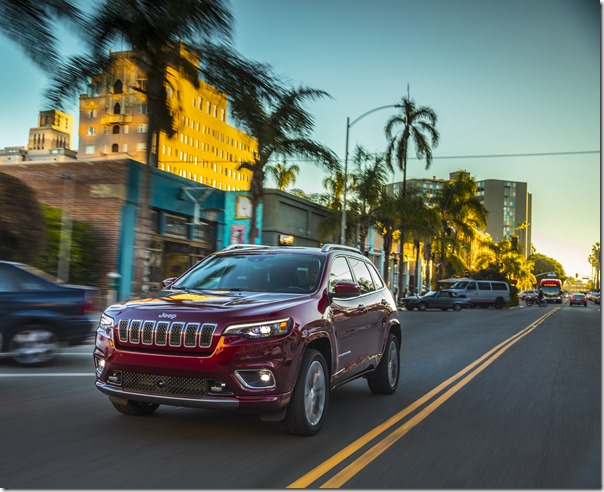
(387, 220)
(418, 128)
(162, 34)
(460, 213)
(280, 126)
(368, 179)
(284, 175)
(30, 23)
(594, 261)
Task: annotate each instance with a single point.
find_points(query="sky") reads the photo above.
(515, 85)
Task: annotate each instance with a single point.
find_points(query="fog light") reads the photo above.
(260, 378)
(100, 365)
(115, 377)
(218, 388)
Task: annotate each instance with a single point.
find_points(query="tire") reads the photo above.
(33, 346)
(136, 408)
(422, 306)
(499, 303)
(456, 307)
(384, 380)
(307, 408)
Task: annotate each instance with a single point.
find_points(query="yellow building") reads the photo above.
(205, 149)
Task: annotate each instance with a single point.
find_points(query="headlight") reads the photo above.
(261, 330)
(105, 327)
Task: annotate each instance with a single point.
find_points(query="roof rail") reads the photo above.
(231, 247)
(331, 247)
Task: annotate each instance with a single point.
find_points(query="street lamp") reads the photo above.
(348, 125)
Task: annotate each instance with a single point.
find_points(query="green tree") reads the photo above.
(460, 213)
(280, 126)
(283, 174)
(544, 265)
(22, 231)
(594, 261)
(418, 125)
(368, 179)
(506, 260)
(387, 220)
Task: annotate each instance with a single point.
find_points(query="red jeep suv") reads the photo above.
(256, 328)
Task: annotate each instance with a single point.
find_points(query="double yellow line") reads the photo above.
(460, 379)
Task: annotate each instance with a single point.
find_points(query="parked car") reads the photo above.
(578, 298)
(270, 330)
(484, 293)
(528, 293)
(440, 299)
(39, 315)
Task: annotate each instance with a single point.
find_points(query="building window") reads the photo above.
(126, 129)
(125, 148)
(141, 146)
(115, 148)
(142, 128)
(117, 108)
(142, 84)
(116, 129)
(91, 131)
(142, 109)
(92, 113)
(118, 87)
(89, 149)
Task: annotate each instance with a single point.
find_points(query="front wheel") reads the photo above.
(422, 306)
(308, 405)
(499, 303)
(456, 307)
(136, 408)
(384, 380)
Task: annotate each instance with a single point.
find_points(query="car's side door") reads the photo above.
(350, 319)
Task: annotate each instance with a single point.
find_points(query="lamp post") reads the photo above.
(348, 125)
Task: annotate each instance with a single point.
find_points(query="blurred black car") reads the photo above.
(38, 315)
(439, 299)
(578, 298)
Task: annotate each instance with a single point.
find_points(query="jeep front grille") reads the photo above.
(164, 333)
(165, 385)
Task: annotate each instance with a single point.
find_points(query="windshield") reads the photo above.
(254, 272)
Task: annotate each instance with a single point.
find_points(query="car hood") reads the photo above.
(219, 303)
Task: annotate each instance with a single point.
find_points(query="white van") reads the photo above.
(484, 293)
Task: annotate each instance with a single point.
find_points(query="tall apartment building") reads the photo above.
(508, 202)
(510, 210)
(205, 149)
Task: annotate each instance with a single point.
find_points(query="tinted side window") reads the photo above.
(7, 282)
(377, 280)
(471, 286)
(361, 272)
(499, 286)
(484, 286)
(340, 272)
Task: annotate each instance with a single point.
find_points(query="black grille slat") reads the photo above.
(165, 385)
(123, 330)
(161, 333)
(191, 334)
(205, 337)
(176, 334)
(135, 331)
(148, 332)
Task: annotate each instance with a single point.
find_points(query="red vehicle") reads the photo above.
(552, 289)
(269, 330)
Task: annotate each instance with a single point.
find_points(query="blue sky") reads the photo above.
(513, 77)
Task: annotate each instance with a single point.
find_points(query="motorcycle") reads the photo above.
(535, 301)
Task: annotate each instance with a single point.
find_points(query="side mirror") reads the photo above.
(343, 290)
(169, 281)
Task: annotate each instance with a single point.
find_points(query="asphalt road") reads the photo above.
(488, 399)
